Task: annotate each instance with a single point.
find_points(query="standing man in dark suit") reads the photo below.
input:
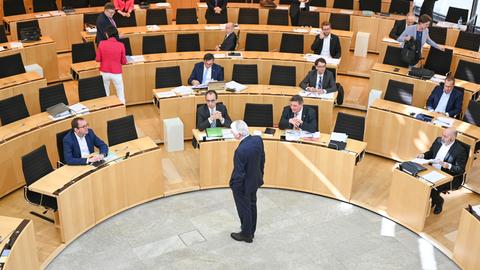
(206, 71)
(320, 80)
(400, 25)
(295, 7)
(446, 100)
(297, 116)
(247, 177)
(230, 40)
(78, 144)
(216, 11)
(104, 20)
(212, 114)
(327, 44)
(450, 156)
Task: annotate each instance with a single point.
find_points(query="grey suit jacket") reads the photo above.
(412, 31)
(328, 82)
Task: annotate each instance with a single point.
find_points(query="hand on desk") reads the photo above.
(216, 116)
(295, 122)
(316, 90)
(217, 10)
(442, 163)
(421, 156)
(95, 158)
(195, 82)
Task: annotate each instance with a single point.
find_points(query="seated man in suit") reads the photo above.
(104, 20)
(320, 80)
(446, 100)
(230, 40)
(450, 156)
(296, 116)
(400, 25)
(206, 71)
(295, 7)
(212, 114)
(216, 9)
(78, 144)
(327, 44)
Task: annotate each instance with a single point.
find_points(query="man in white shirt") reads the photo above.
(320, 80)
(212, 114)
(298, 117)
(206, 71)
(327, 44)
(446, 100)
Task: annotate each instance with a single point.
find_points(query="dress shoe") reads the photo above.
(241, 237)
(438, 206)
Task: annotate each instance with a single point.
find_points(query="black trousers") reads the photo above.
(455, 184)
(247, 211)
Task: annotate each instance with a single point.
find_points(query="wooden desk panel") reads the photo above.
(23, 254)
(27, 84)
(467, 244)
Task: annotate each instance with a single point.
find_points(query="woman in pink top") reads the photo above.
(123, 7)
(111, 55)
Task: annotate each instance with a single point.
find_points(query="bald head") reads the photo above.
(229, 27)
(449, 135)
(410, 18)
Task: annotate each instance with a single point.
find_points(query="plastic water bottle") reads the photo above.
(459, 23)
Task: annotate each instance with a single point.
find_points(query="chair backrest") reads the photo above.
(82, 52)
(315, 109)
(60, 137)
(399, 92)
(438, 34)
(248, 16)
(14, 63)
(75, 3)
(98, 3)
(277, 17)
(283, 75)
(36, 165)
(393, 57)
(90, 18)
(91, 88)
(121, 130)
(340, 21)
(154, 44)
(126, 43)
(13, 7)
(352, 125)
(256, 42)
(213, 18)
(3, 35)
(291, 43)
(123, 21)
(401, 7)
(26, 25)
(157, 16)
(285, 2)
(188, 42)
(52, 95)
(44, 5)
(13, 109)
(468, 71)
(168, 77)
(309, 18)
(468, 40)
(258, 115)
(186, 16)
(372, 5)
(454, 14)
(439, 61)
(472, 114)
(245, 73)
(318, 3)
(344, 4)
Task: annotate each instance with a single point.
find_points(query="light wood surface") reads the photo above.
(27, 84)
(467, 243)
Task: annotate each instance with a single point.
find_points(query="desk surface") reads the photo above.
(19, 79)
(7, 226)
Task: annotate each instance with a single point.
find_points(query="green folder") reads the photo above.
(214, 132)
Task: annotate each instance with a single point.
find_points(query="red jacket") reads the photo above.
(111, 55)
(123, 5)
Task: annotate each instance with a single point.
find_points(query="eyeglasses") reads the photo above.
(211, 100)
(321, 66)
(85, 126)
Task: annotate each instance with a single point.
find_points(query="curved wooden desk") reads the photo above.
(21, 137)
(26, 84)
(185, 107)
(23, 252)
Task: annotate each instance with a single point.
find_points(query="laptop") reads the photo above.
(216, 86)
(215, 132)
(58, 110)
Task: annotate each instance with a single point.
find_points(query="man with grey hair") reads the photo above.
(449, 155)
(230, 40)
(247, 177)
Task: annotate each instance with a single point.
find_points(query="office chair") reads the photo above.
(154, 44)
(126, 43)
(372, 5)
(188, 42)
(59, 137)
(309, 18)
(14, 63)
(52, 95)
(26, 25)
(401, 7)
(213, 18)
(340, 21)
(3, 35)
(343, 4)
(98, 3)
(44, 5)
(168, 77)
(256, 42)
(13, 109)
(186, 16)
(318, 3)
(399, 92)
(439, 61)
(352, 125)
(438, 34)
(157, 16)
(472, 114)
(248, 16)
(468, 71)
(283, 75)
(468, 40)
(245, 74)
(82, 52)
(122, 21)
(291, 43)
(454, 14)
(91, 88)
(258, 115)
(90, 18)
(121, 130)
(393, 57)
(277, 17)
(75, 3)
(13, 7)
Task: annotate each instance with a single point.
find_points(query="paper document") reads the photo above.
(443, 121)
(213, 27)
(476, 209)
(135, 59)
(339, 137)
(283, 7)
(182, 90)
(451, 25)
(57, 13)
(433, 176)
(315, 31)
(236, 86)
(292, 135)
(200, 86)
(316, 95)
(43, 15)
(91, 30)
(165, 94)
(162, 4)
(16, 45)
(202, 5)
(111, 156)
(390, 40)
(227, 133)
(306, 134)
(422, 161)
(301, 30)
(78, 108)
(437, 78)
(346, 11)
(219, 55)
(2, 49)
(153, 27)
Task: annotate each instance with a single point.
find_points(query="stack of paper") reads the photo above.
(316, 95)
(390, 40)
(135, 58)
(212, 27)
(306, 134)
(16, 45)
(162, 4)
(301, 30)
(78, 108)
(443, 121)
(292, 135)
(183, 90)
(339, 137)
(219, 55)
(315, 31)
(235, 86)
(153, 27)
(91, 30)
(283, 7)
(433, 176)
(2, 48)
(422, 161)
(60, 116)
(227, 133)
(165, 94)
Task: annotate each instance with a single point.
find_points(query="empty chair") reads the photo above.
(52, 95)
(439, 61)
(3, 35)
(352, 125)
(168, 77)
(248, 16)
(393, 57)
(467, 40)
(372, 5)
(245, 74)
(472, 114)
(91, 88)
(309, 18)
(277, 17)
(291, 43)
(186, 16)
(401, 7)
(13, 109)
(454, 14)
(399, 92)
(188, 42)
(59, 136)
(438, 34)
(214, 18)
(14, 63)
(75, 3)
(154, 44)
(44, 5)
(468, 71)
(318, 3)
(285, 2)
(256, 42)
(36, 165)
(82, 52)
(121, 130)
(98, 3)
(26, 25)
(122, 21)
(258, 115)
(283, 75)
(90, 18)
(340, 21)
(345, 4)
(157, 16)
(126, 43)
(13, 7)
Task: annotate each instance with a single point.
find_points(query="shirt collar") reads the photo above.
(78, 137)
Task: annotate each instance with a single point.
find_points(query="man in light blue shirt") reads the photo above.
(446, 100)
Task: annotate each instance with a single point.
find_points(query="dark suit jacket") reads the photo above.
(248, 165)
(102, 23)
(328, 82)
(229, 43)
(457, 156)
(295, 11)
(398, 29)
(308, 117)
(203, 113)
(197, 73)
(454, 104)
(335, 48)
(220, 3)
(71, 149)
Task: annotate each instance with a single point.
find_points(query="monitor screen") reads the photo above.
(14, 63)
